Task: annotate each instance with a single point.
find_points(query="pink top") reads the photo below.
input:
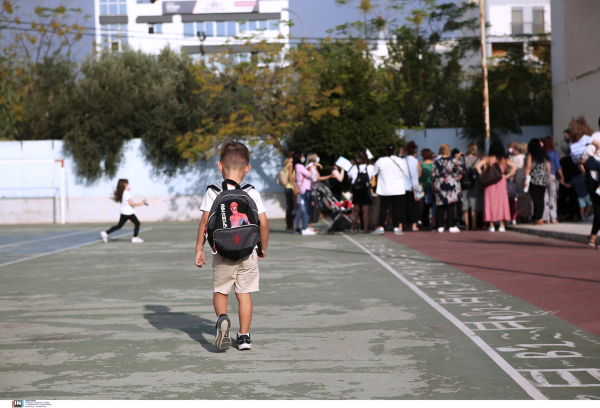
(303, 178)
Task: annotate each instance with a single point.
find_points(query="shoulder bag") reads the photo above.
(491, 175)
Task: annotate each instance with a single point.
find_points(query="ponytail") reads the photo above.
(118, 194)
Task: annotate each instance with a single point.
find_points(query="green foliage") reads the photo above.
(129, 95)
(364, 119)
(520, 93)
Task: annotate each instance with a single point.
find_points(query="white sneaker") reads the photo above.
(514, 222)
(308, 231)
(501, 229)
(398, 231)
(598, 191)
(441, 229)
(137, 240)
(104, 236)
(378, 231)
(492, 228)
(454, 230)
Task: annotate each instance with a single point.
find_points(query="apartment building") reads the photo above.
(151, 25)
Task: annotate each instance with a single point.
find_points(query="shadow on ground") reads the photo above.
(197, 328)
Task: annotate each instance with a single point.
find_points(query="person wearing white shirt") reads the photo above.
(123, 195)
(411, 180)
(361, 189)
(390, 171)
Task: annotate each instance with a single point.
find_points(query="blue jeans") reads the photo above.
(302, 210)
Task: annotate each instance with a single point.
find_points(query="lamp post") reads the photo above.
(201, 36)
(301, 23)
(484, 71)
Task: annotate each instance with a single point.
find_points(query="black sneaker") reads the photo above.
(244, 342)
(222, 340)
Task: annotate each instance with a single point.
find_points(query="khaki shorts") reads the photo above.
(243, 274)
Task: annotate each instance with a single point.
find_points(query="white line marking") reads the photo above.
(47, 238)
(502, 363)
(63, 249)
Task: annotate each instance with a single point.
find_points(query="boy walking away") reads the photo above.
(236, 226)
(585, 203)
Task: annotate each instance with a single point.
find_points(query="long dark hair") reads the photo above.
(118, 194)
(497, 150)
(538, 154)
(296, 158)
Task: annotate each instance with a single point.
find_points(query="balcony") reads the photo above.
(529, 28)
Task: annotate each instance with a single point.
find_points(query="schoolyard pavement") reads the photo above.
(337, 317)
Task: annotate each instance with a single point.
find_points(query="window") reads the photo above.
(517, 22)
(209, 28)
(500, 50)
(273, 25)
(252, 25)
(112, 7)
(262, 24)
(220, 28)
(243, 26)
(114, 36)
(188, 29)
(158, 28)
(538, 22)
(231, 28)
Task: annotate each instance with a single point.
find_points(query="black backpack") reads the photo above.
(470, 177)
(233, 227)
(362, 184)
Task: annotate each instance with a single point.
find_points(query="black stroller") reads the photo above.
(339, 213)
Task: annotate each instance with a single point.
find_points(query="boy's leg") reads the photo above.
(220, 303)
(245, 311)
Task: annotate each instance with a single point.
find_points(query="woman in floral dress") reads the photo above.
(445, 177)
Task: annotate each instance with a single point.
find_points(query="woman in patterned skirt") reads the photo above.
(445, 177)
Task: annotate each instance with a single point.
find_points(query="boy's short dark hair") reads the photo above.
(234, 155)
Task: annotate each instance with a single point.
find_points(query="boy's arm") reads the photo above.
(264, 235)
(200, 258)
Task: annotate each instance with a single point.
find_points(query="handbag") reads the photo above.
(491, 175)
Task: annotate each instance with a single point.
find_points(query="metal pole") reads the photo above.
(296, 14)
(486, 101)
(62, 192)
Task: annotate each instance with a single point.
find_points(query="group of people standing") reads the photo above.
(448, 189)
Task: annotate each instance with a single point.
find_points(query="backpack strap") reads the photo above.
(214, 187)
(247, 187)
(231, 182)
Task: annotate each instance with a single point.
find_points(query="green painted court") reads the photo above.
(337, 317)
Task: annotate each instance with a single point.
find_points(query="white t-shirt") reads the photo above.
(353, 172)
(390, 171)
(126, 208)
(411, 178)
(577, 148)
(209, 199)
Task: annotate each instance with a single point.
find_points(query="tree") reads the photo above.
(423, 71)
(127, 95)
(520, 93)
(364, 119)
(35, 64)
(263, 98)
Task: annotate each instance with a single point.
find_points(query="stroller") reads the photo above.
(339, 211)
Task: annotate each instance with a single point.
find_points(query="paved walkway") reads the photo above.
(567, 231)
(337, 317)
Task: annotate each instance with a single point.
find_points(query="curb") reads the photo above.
(565, 236)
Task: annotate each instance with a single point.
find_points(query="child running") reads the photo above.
(242, 274)
(123, 195)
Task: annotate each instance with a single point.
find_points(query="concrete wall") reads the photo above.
(575, 63)
(29, 192)
(432, 138)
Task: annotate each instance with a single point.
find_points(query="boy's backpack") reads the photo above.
(233, 227)
(282, 177)
(362, 184)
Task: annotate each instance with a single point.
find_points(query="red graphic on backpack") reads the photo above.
(237, 219)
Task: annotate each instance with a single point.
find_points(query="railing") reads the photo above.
(530, 28)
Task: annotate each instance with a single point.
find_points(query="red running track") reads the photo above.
(551, 274)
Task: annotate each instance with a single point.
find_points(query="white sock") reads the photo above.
(243, 334)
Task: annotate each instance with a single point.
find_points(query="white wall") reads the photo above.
(28, 192)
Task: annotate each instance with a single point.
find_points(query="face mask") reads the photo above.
(318, 159)
(302, 160)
